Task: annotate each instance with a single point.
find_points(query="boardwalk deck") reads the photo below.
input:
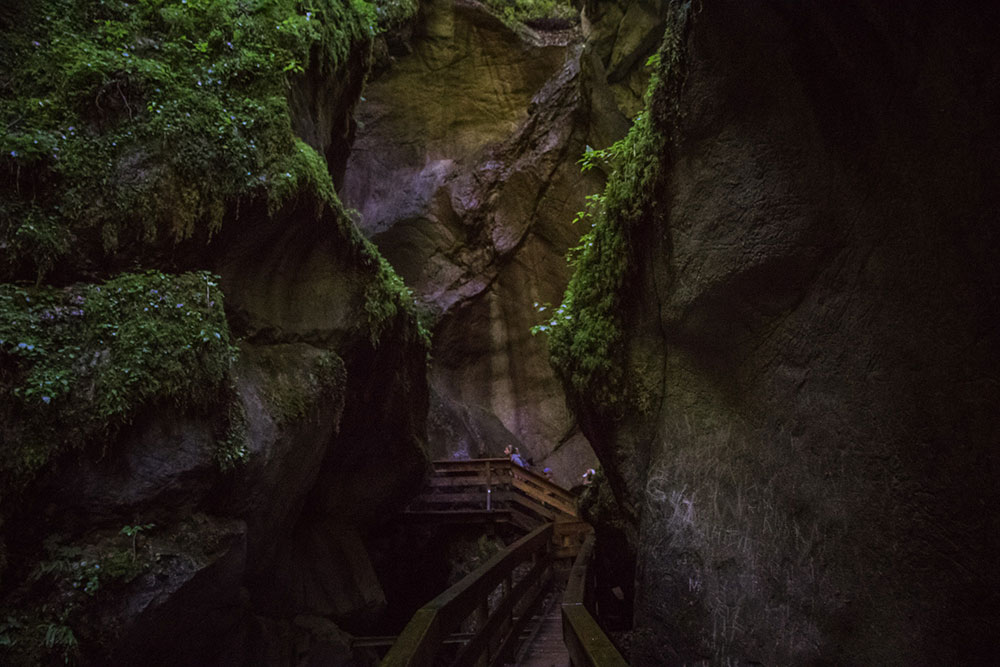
(545, 646)
(490, 491)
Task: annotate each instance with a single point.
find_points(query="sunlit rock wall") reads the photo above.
(465, 173)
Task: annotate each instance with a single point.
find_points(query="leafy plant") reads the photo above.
(61, 637)
(133, 532)
(586, 330)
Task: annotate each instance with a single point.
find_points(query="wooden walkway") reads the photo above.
(545, 647)
(499, 602)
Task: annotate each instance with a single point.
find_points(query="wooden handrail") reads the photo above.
(499, 471)
(424, 635)
(499, 491)
(479, 465)
(587, 644)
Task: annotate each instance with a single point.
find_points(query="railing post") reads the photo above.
(489, 487)
(482, 616)
(548, 553)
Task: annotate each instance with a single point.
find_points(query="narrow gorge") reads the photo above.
(277, 274)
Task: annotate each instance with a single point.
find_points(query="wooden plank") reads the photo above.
(587, 644)
(417, 644)
(502, 467)
(485, 635)
(569, 538)
(460, 516)
(422, 636)
(529, 489)
(570, 532)
(474, 466)
(576, 585)
(543, 509)
(467, 480)
(545, 486)
(566, 553)
(528, 504)
(386, 641)
(542, 485)
(522, 520)
(533, 483)
(506, 648)
(572, 526)
(460, 463)
(468, 497)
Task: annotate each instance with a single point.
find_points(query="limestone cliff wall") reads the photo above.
(464, 170)
(809, 316)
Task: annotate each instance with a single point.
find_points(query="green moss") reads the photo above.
(291, 390)
(133, 122)
(586, 332)
(65, 587)
(131, 125)
(392, 13)
(387, 297)
(232, 449)
(514, 12)
(76, 363)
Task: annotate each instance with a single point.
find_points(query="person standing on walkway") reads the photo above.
(515, 455)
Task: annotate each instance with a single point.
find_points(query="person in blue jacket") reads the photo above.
(515, 455)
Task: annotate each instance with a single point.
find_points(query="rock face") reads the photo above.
(237, 563)
(261, 561)
(465, 173)
(814, 301)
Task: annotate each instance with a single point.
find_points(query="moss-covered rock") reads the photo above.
(586, 332)
(473, 204)
(554, 13)
(78, 362)
(146, 146)
(131, 125)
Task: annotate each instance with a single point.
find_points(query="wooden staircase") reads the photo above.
(493, 612)
(499, 491)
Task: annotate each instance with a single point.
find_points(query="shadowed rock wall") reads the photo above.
(815, 297)
(259, 558)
